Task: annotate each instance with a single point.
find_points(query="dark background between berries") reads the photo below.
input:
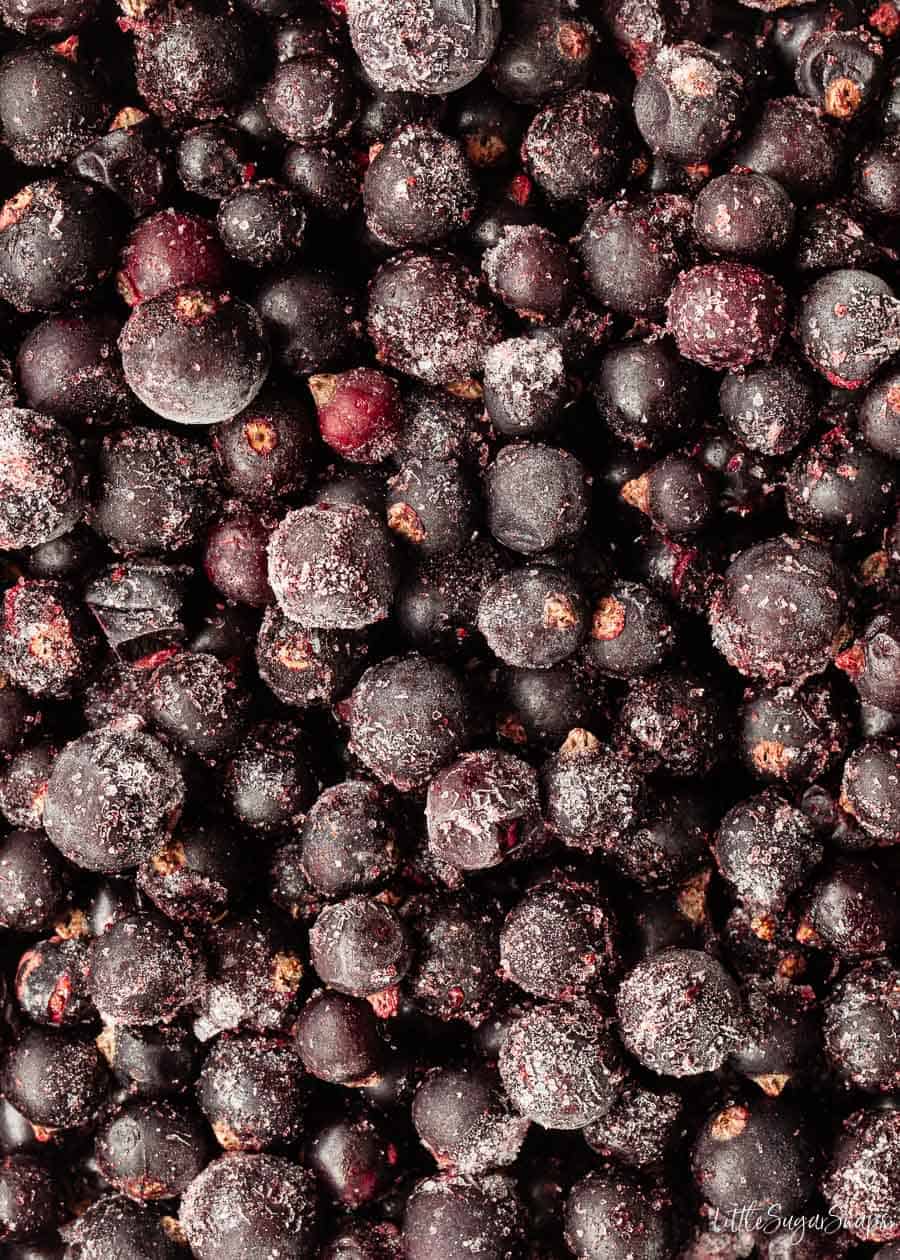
(450, 643)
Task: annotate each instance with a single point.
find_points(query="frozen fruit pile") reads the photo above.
(450, 630)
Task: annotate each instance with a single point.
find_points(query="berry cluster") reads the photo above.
(449, 630)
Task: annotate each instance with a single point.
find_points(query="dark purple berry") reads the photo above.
(404, 48)
(482, 809)
(143, 970)
(252, 1092)
(633, 252)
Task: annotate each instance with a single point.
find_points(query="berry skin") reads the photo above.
(795, 144)
(861, 1185)
(254, 977)
(560, 1065)
(533, 618)
(762, 1154)
(114, 1226)
(41, 484)
(869, 788)
(678, 494)
(852, 912)
(156, 490)
(151, 1061)
(262, 224)
(169, 250)
(841, 71)
(431, 506)
(327, 179)
(766, 849)
(879, 415)
(48, 646)
(58, 239)
(680, 1013)
(743, 215)
(791, 734)
(537, 498)
(456, 960)
(639, 1128)
(418, 189)
(848, 326)
(573, 146)
(235, 557)
(677, 721)
(687, 103)
(860, 1026)
(166, 338)
(483, 808)
(876, 178)
(34, 886)
(359, 413)
(69, 367)
(143, 970)
(349, 838)
(613, 1212)
(633, 252)
(632, 632)
(252, 1092)
(444, 1213)
(50, 106)
(29, 1199)
(242, 1203)
(428, 318)
(213, 160)
(266, 450)
(408, 717)
(558, 941)
(871, 663)
(594, 797)
(541, 706)
(526, 385)
(112, 796)
(839, 488)
(726, 315)
(307, 667)
(330, 567)
(198, 701)
(48, 17)
(646, 394)
(51, 983)
(547, 49)
(780, 613)
(531, 272)
(310, 99)
(338, 1039)
(359, 946)
(192, 62)
(464, 1121)
(436, 49)
(56, 1080)
(310, 317)
(770, 407)
(151, 1150)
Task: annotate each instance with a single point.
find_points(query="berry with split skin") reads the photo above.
(51, 983)
(841, 71)
(871, 663)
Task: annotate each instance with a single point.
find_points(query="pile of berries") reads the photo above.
(449, 630)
